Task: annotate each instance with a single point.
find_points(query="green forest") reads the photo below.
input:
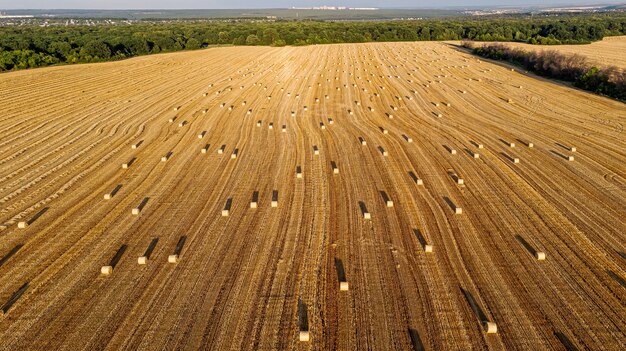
(29, 47)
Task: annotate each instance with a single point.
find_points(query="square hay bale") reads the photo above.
(284, 129)
(453, 151)
(271, 126)
(204, 150)
(164, 159)
(181, 124)
(106, 270)
(316, 151)
(142, 260)
(107, 196)
(540, 255)
(344, 286)
(419, 181)
(330, 121)
(304, 336)
(570, 158)
(572, 149)
(458, 210)
(367, 215)
(124, 165)
(490, 327)
(428, 248)
(515, 160)
(389, 203)
(511, 144)
(274, 203)
(459, 181)
(172, 259)
(225, 213)
(22, 225)
(136, 211)
(531, 145)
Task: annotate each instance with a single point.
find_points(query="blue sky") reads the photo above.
(213, 4)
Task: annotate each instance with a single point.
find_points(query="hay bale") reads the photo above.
(304, 336)
(124, 165)
(344, 286)
(570, 158)
(453, 151)
(106, 270)
(142, 260)
(540, 255)
(458, 210)
(511, 144)
(362, 141)
(476, 155)
(225, 213)
(572, 149)
(22, 225)
(136, 211)
(316, 151)
(459, 181)
(428, 248)
(515, 160)
(107, 196)
(330, 121)
(172, 258)
(490, 327)
(258, 123)
(271, 126)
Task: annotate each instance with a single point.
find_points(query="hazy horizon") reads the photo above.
(268, 4)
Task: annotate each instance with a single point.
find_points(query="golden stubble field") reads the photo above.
(403, 195)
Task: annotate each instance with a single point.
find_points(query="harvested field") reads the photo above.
(419, 272)
(610, 51)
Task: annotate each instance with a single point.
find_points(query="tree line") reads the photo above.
(29, 47)
(609, 81)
